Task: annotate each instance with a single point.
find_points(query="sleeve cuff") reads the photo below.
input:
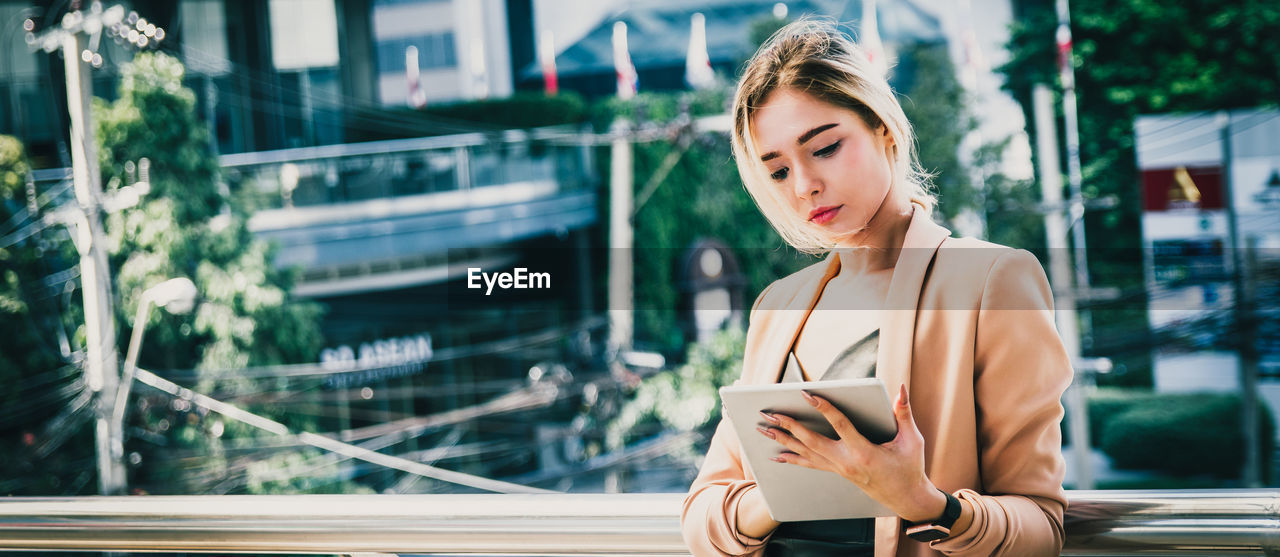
(749, 543)
(982, 522)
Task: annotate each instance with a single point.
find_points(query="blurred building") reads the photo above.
(283, 73)
(658, 34)
(384, 233)
(1185, 166)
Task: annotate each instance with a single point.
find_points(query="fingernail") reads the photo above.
(778, 459)
(902, 395)
(769, 417)
(812, 401)
(765, 432)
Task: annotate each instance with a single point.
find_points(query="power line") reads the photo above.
(329, 444)
(26, 232)
(23, 214)
(438, 355)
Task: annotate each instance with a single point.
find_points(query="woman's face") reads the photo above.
(831, 168)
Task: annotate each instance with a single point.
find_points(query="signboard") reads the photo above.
(377, 360)
(1186, 262)
(1166, 189)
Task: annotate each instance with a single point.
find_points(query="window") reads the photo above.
(434, 51)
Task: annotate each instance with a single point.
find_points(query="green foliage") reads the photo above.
(684, 399)
(521, 110)
(702, 197)
(185, 228)
(33, 374)
(1182, 434)
(937, 110)
(1009, 204)
(13, 170)
(296, 473)
(22, 350)
(659, 108)
(763, 28)
(154, 116)
(1137, 57)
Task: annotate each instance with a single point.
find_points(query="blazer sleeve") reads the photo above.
(709, 515)
(1021, 370)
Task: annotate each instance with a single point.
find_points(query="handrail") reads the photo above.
(1173, 522)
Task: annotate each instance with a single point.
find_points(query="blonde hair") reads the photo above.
(814, 57)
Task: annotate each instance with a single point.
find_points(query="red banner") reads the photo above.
(1157, 183)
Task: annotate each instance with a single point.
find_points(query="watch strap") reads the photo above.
(939, 528)
(950, 513)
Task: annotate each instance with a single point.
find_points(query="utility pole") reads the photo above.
(621, 204)
(77, 38)
(620, 237)
(1075, 206)
(101, 368)
(621, 233)
(1055, 228)
(1243, 318)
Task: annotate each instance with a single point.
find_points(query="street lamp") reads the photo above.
(177, 296)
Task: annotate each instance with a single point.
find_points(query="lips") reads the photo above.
(822, 215)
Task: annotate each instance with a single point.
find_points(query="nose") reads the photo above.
(807, 184)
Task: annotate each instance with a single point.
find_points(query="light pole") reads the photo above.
(78, 37)
(177, 296)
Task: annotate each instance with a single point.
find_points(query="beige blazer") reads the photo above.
(969, 328)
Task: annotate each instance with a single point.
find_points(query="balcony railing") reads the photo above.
(1190, 522)
(354, 172)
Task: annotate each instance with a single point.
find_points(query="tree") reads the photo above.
(935, 104)
(683, 399)
(187, 226)
(1137, 57)
(22, 348)
(44, 455)
(701, 197)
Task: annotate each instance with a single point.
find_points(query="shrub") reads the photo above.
(1182, 434)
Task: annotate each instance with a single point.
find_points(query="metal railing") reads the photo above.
(402, 167)
(1188, 522)
(352, 172)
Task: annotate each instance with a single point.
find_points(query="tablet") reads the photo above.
(795, 493)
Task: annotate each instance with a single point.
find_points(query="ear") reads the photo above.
(888, 137)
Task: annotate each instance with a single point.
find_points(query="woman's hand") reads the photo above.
(891, 473)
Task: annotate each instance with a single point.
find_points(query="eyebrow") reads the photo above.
(804, 137)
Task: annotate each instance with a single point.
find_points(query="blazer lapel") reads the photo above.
(788, 321)
(897, 326)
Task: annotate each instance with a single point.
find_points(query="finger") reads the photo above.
(793, 458)
(839, 422)
(808, 437)
(902, 413)
(788, 441)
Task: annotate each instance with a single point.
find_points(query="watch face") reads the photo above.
(927, 532)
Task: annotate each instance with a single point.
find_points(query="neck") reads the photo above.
(876, 247)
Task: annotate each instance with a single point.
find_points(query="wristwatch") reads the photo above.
(940, 528)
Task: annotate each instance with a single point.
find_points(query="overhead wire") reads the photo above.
(485, 348)
(1213, 135)
(273, 86)
(24, 213)
(330, 444)
(22, 234)
(1181, 120)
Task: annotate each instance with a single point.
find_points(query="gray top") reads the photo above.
(855, 362)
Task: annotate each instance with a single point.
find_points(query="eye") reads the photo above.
(827, 151)
(779, 174)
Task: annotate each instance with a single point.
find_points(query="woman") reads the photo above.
(960, 330)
